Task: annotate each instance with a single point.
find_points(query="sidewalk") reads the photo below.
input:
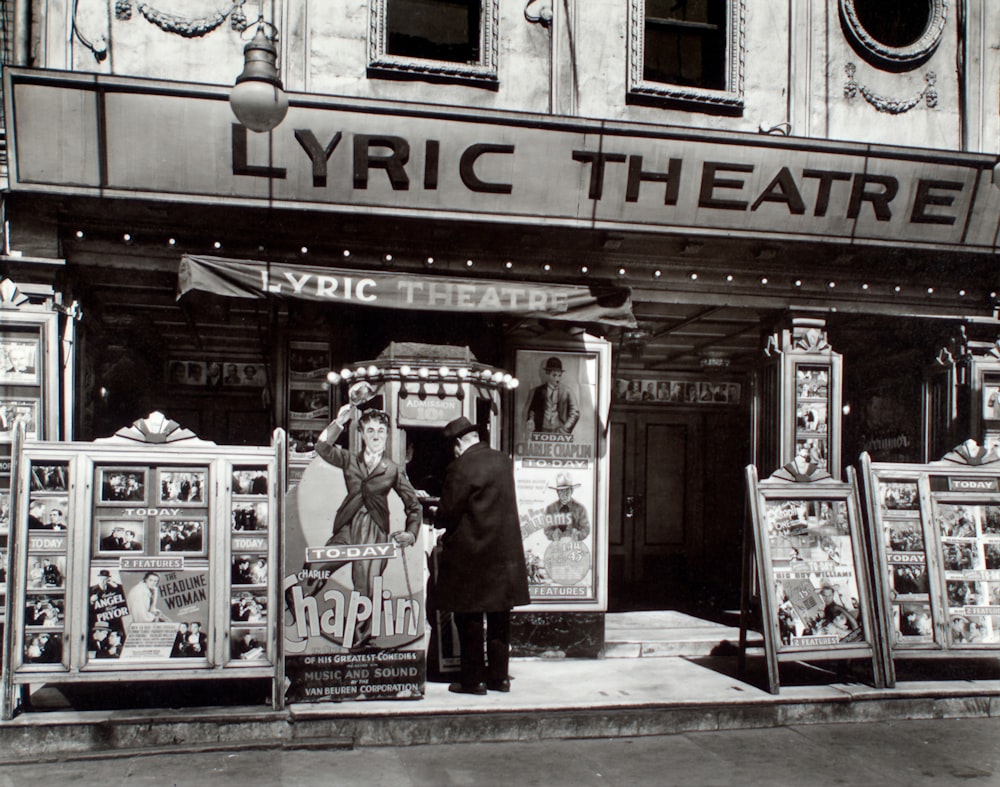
(550, 699)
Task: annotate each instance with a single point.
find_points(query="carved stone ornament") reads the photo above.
(972, 454)
(155, 429)
(187, 27)
(892, 106)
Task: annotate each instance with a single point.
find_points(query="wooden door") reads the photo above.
(656, 509)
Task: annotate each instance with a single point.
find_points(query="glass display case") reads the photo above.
(142, 557)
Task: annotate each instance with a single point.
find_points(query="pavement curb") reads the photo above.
(120, 734)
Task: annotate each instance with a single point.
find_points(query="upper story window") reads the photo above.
(454, 39)
(687, 51)
(894, 34)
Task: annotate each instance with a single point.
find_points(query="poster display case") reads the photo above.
(935, 532)
(143, 557)
(29, 382)
(798, 406)
(309, 395)
(811, 570)
(561, 471)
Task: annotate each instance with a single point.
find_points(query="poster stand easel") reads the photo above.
(811, 570)
(935, 539)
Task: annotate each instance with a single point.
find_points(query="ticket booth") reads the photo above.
(421, 388)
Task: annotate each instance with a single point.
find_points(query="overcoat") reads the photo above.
(480, 556)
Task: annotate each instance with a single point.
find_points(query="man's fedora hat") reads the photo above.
(458, 427)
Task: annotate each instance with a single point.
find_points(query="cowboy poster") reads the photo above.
(343, 642)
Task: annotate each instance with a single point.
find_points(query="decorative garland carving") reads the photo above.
(185, 27)
(893, 106)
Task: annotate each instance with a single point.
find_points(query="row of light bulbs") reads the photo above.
(622, 272)
(481, 376)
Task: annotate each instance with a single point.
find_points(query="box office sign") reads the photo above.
(416, 410)
(555, 470)
(368, 156)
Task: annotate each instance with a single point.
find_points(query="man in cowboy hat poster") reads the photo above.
(552, 407)
(481, 568)
(566, 517)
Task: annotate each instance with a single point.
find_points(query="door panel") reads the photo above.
(655, 505)
(665, 484)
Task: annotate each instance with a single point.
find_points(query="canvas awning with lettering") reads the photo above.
(396, 290)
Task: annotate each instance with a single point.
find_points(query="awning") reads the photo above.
(396, 290)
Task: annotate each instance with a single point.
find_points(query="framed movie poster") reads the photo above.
(813, 575)
(560, 471)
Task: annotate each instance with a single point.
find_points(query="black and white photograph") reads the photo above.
(122, 485)
(181, 487)
(182, 536)
(900, 495)
(48, 512)
(14, 411)
(268, 270)
(249, 481)
(20, 360)
(249, 516)
(120, 535)
(49, 477)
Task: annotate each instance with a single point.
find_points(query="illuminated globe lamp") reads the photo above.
(258, 99)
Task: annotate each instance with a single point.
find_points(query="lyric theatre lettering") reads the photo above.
(721, 185)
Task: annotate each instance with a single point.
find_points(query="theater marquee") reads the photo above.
(126, 138)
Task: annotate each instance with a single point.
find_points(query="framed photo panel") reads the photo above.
(181, 487)
(121, 485)
(812, 570)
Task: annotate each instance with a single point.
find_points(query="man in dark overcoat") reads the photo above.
(481, 566)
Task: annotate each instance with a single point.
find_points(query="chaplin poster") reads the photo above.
(555, 469)
(354, 624)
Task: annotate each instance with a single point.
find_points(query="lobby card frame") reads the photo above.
(760, 578)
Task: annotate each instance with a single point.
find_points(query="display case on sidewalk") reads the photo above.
(935, 531)
(147, 556)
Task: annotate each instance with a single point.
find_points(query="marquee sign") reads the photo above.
(124, 138)
(256, 279)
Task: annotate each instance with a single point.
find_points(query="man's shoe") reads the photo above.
(461, 688)
(498, 685)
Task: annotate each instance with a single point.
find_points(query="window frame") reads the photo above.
(729, 99)
(485, 72)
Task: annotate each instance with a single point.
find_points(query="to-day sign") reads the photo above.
(121, 137)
